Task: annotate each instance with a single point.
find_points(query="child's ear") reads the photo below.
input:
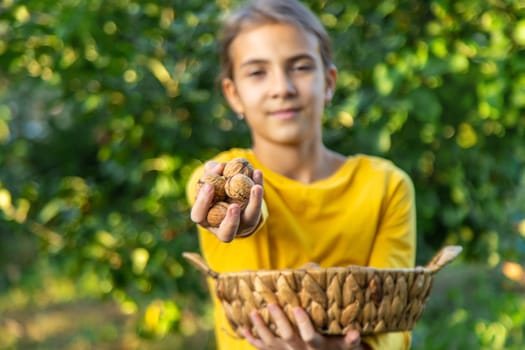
(331, 78)
(230, 93)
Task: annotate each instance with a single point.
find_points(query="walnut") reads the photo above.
(217, 181)
(238, 188)
(217, 213)
(242, 203)
(238, 166)
(233, 186)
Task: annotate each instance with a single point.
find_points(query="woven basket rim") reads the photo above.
(335, 269)
(446, 255)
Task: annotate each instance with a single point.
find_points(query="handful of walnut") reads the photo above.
(233, 186)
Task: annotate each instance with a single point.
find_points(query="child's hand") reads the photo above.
(305, 339)
(237, 222)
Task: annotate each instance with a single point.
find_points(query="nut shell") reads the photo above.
(217, 213)
(242, 203)
(218, 183)
(238, 187)
(238, 166)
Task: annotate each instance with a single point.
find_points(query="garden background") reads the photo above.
(107, 106)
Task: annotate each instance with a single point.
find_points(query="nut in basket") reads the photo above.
(337, 299)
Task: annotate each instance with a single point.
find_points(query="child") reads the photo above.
(318, 206)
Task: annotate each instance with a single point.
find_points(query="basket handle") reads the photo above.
(443, 257)
(197, 261)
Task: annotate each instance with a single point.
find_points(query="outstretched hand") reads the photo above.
(303, 338)
(237, 222)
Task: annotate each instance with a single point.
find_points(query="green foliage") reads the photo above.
(106, 107)
(471, 307)
(433, 87)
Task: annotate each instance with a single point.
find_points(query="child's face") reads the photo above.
(280, 83)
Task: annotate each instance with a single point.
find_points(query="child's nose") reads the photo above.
(282, 84)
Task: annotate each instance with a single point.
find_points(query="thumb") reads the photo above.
(352, 339)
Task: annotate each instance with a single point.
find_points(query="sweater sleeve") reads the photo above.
(395, 241)
(395, 247)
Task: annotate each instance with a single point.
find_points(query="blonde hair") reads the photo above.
(258, 12)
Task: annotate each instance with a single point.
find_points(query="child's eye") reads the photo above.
(302, 67)
(256, 73)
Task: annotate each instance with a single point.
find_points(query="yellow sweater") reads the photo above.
(364, 214)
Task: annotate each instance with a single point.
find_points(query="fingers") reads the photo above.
(306, 328)
(308, 337)
(214, 167)
(284, 327)
(204, 198)
(352, 339)
(238, 222)
(199, 211)
(256, 342)
(264, 333)
(288, 338)
(252, 213)
(257, 177)
(230, 224)
(253, 209)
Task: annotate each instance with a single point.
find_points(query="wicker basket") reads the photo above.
(338, 299)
